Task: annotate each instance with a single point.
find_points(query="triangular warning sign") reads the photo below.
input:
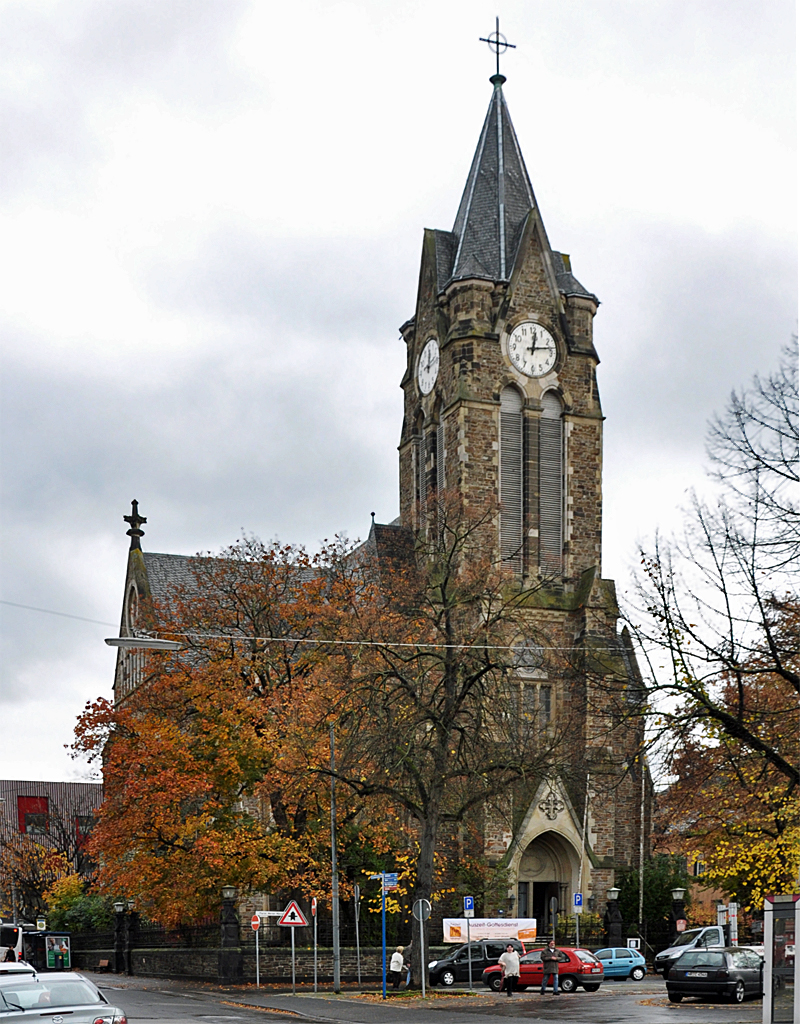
(292, 916)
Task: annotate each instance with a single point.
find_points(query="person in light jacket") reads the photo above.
(550, 960)
(509, 967)
(396, 967)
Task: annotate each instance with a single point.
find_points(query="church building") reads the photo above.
(502, 410)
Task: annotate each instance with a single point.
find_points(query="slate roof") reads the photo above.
(568, 284)
(496, 202)
(496, 199)
(166, 573)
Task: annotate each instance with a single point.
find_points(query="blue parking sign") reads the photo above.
(578, 899)
(469, 906)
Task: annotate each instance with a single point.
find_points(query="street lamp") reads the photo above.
(612, 919)
(147, 643)
(678, 894)
(229, 892)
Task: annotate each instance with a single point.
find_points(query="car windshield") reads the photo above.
(688, 937)
(532, 958)
(26, 994)
(700, 958)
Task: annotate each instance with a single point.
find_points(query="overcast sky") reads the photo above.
(212, 217)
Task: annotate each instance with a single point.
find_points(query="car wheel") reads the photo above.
(737, 996)
(593, 987)
(447, 978)
(496, 983)
(567, 983)
(675, 997)
(638, 973)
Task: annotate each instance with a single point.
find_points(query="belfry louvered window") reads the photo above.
(551, 484)
(422, 479)
(511, 479)
(440, 484)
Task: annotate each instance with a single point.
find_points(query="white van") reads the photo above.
(695, 938)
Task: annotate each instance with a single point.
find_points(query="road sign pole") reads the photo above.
(469, 912)
(294, 990)
(357, 899)
(258, 977)
(314, 912)
(469, 956)
(423, 958)
(383, 928)
(422, 911)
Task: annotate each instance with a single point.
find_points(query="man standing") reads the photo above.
(509, 966)
(550, 960)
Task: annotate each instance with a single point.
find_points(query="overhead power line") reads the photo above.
(62, 615)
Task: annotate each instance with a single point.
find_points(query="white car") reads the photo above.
(57, 996)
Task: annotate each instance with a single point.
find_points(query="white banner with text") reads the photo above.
(522, 928)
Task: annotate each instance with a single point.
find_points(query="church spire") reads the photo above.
(496, 201)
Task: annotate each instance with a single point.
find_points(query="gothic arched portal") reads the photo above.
(548, 867)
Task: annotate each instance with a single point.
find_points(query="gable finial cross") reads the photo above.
(136, 522)
(498, 43)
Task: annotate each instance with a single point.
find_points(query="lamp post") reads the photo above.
(230, 953)
(131, 920)
(677, 917)
(119, 937)
(335, 875)
(612, 919)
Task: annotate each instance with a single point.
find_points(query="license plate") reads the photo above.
(697, 974)
(596, 970)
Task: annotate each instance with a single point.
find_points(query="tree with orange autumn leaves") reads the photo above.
(206, 762)
(217, 767)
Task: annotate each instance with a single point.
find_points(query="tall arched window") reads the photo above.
(551, 484)
(511, 479)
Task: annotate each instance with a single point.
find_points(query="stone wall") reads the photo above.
(275, 963)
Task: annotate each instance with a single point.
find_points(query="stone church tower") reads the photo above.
(502, 409)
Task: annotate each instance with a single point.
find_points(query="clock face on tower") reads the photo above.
(428, 368)
(532, 349)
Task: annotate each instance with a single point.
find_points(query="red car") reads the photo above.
(576, 967)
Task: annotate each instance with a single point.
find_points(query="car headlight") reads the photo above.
(432, 964)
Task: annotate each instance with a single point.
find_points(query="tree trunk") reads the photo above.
(429, 832)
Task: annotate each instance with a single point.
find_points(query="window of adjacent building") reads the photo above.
(551, 484)
(33, 814)
(84, 823)
(511, 478)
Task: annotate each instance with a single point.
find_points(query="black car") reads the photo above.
(455, 966)
(733, 972)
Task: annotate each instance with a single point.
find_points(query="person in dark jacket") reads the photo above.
(550, 960)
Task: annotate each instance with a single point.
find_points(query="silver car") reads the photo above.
(29, 997)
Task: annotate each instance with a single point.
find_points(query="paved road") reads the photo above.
(154, 1001)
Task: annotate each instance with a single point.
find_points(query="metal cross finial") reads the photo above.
(498, 43)
(136, 522)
